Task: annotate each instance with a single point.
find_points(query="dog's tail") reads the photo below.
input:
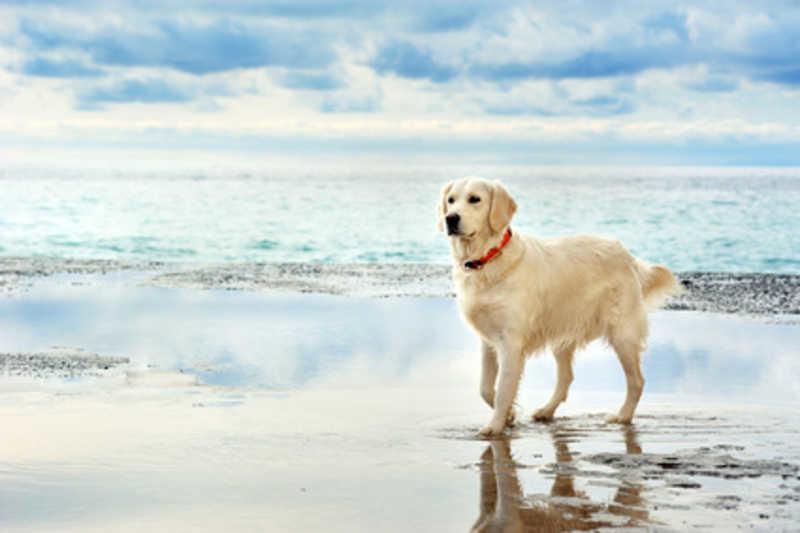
(658, 283)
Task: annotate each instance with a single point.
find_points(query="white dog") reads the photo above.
(522, 294)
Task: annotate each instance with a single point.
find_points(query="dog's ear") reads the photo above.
(442, 205)
(503, 207)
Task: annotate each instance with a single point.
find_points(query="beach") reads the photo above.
(228, 234)
(194, 349)
(312, 398)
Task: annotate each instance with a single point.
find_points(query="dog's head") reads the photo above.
(475, 207)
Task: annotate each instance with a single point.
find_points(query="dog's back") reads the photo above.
(583, 286)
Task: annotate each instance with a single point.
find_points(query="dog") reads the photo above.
(522, 294)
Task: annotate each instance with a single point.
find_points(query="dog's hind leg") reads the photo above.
(563, 355)
(489, 373)
(629, 350)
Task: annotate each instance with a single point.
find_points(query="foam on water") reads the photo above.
(690, 219)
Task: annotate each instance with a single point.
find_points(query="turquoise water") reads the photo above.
(731, 219)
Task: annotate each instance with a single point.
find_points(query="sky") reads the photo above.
(566, 82)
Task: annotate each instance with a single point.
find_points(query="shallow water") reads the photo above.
(708, 219)
(290, 340)
(309, 412)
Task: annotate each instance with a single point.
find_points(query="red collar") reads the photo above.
(478, 263)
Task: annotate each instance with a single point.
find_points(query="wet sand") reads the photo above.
(199, 458)
(179, 409)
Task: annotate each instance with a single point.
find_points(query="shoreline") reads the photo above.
(757, 294)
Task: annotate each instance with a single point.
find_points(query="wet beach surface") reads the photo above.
(131, 407)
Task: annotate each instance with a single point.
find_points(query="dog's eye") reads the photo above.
(451, 200)
(474, 199)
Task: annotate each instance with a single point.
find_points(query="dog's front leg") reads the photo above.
(510, 362)
(489, 373)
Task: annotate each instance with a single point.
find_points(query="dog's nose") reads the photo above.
(452, 222)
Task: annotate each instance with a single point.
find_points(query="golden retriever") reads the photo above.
(523, 294)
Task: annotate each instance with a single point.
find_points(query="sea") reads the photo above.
(689, 218)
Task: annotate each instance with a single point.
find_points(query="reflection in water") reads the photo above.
(279, 341)
(504, 506)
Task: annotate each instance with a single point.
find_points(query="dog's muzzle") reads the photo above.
(452, 223)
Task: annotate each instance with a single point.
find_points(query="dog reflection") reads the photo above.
(502, 506)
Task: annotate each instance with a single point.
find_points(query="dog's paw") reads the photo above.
(617, 419)
(511, 418)
(491, 429)
(543, 415)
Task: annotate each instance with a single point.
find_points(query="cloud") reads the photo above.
(378, 66)
(407, 61)
(188, 47)
(367, 104)
(146, 91)
(713, 84)
(668, 24)
(595, 106)
(303, 9)
(243, 35)
(605, 105)
(784, 76)
(748, 45)
(280, 8)
(439, 16)
(66, 68)
(310, 81)
(446, 17)
(590, 64)
(514, 110)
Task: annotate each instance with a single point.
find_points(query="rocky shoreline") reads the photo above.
(59, 361)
